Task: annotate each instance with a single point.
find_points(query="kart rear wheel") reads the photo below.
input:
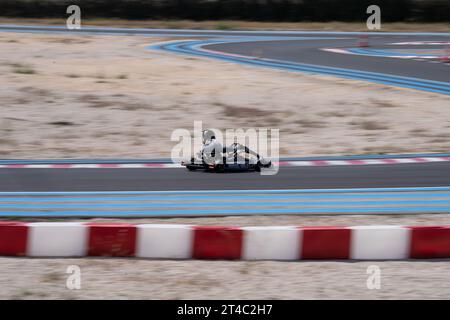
(219, 168)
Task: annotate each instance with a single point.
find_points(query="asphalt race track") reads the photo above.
(373, 176)
(301, 51)
(300, 47)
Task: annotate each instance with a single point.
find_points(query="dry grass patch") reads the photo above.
(6, 141)
(62, 123)
(372, 125)
(20, 68)
(243, 112)
(311, 124)
(333, 114)
(439, 140)
(94, 101)
(383, 104)
(70, 40)
(23, 294)
(34, 91)
(133, 106)
(72, 75)
(52, 277)
(384, 149)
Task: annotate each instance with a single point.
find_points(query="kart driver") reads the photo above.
(213, 150)
(211, 147)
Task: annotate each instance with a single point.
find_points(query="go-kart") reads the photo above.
(236, 158)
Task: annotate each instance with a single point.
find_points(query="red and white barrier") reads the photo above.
(168, 241)
(276, 243)
(380, 242)
(67, 239)
(57, 239)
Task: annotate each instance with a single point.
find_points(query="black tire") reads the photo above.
(220, 168)
(267, 165)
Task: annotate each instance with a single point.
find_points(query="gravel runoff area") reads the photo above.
(71, 96)
(195, 279)
(29, 278)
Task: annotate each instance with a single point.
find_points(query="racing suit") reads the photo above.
(213, 151)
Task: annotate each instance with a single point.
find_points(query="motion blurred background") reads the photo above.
(249, 10)
(90, 96)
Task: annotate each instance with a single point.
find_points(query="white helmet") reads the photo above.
(207, 136)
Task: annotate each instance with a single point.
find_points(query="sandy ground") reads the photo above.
(146, 279)
(103, 96)
(284, 220)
